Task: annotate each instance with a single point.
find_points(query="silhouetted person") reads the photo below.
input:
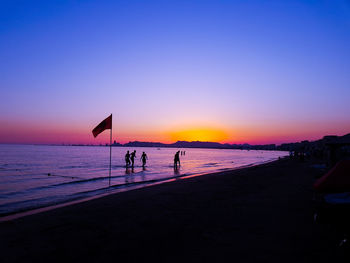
(184, 152)
(176, 159)
(127, 159)
(132, 156)
(144, 159)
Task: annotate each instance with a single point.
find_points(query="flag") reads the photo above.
(104, 125)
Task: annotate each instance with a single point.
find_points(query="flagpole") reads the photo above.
(110, 153)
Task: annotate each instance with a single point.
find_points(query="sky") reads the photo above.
(228, 71)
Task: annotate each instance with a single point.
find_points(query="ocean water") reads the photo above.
(33, 176)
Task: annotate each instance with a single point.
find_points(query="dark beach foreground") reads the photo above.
(257, 214)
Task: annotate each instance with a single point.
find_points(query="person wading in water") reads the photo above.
(144, 159)
(176, 160)
(127, 159)
(132, 156)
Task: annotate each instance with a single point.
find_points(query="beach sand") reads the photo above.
(256, 214)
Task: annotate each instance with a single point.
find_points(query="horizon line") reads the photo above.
(136, 141)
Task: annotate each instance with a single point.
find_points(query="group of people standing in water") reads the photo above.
(130, 159)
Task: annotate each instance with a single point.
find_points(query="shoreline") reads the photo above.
(134, 186)
(257, 214)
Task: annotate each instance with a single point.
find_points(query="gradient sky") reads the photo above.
(228, 71)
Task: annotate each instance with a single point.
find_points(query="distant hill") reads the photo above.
(318, 144)
(215, 145)
(198, 144)
(295, 146)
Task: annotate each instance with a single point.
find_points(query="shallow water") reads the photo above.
(34, 176)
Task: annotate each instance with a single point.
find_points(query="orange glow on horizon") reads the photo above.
(199, 134)
(42, 132)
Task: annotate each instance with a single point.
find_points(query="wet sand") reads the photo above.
(257, 214)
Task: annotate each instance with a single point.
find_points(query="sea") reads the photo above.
(36, 176)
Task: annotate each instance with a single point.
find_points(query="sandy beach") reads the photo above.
(256, 214)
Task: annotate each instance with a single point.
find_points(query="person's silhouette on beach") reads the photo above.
(127, 159)
(132, 156)
(144, 159)
(176, 160)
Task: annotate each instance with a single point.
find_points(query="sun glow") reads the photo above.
(205, 134)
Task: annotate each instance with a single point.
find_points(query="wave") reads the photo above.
(34, 203)
(75, 166)
(210, 164)
(79, 181)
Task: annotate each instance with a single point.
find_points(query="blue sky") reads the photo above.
(262, 71)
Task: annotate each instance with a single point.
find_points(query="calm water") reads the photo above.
(35, 176)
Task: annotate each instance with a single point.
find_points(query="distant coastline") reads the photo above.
(300, 146)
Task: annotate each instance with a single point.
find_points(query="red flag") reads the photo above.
(104, 125)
